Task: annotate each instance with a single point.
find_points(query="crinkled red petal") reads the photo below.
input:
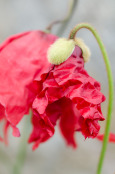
(23, 58)
(77, 95)
(43, 124)
(69, 121)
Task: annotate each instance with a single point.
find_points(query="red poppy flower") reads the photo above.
(70, 95)
(21, 59)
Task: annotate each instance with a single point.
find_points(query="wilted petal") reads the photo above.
(77, 96)
(69, 121)
(43, 125)
(23, 58)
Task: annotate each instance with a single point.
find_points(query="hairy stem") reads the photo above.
(110, 83)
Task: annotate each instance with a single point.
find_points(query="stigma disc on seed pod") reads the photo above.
(60, 51)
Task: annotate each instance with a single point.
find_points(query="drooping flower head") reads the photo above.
(56, 91)
(22, 59)
(70, 95)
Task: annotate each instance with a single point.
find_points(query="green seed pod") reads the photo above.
(60, 50)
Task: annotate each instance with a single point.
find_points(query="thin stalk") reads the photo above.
(65, 20)
(110, 83)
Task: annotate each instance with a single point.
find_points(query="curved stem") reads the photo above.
(110, 82)
(20, 159)
(65, 20)
(50, 26)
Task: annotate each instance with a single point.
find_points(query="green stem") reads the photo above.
(111, 88)
(65, 20)
(20, 159)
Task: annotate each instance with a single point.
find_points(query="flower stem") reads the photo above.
(20, 159)
(110, 83)
(65, 20)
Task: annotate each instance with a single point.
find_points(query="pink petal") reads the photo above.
(22, 59)
(16, 132)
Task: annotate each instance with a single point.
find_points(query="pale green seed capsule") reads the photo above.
(60, 51)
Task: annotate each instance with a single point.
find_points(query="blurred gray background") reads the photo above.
(54, 157)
